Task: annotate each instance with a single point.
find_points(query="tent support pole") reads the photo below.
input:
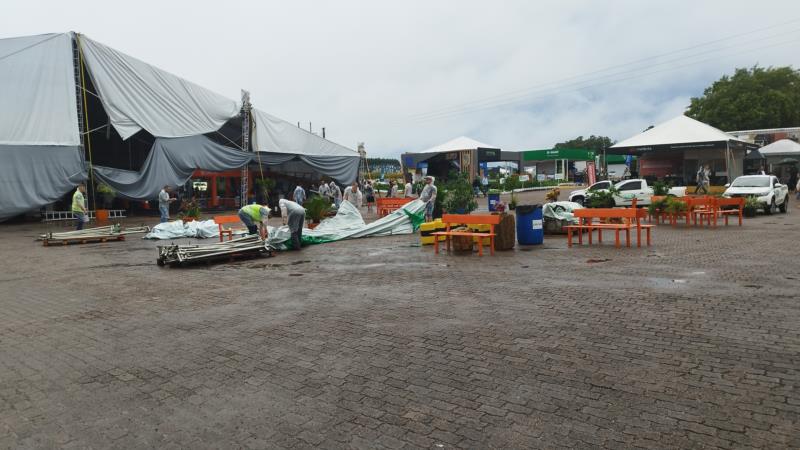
(245, 146)
(86, 119)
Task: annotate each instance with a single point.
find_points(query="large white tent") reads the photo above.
(783, 147)
(675, 148)
(43, 151)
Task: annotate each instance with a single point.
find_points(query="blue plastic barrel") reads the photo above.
(493, 199)
(530, 230)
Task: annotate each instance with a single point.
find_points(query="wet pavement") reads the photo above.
(374, 343)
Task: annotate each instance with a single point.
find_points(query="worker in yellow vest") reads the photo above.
(79, 206)
(254, 214)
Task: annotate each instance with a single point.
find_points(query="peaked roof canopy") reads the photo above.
(680, 130)
(783, 147)
(459, 143)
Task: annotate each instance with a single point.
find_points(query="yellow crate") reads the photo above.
(430, 227)
(481, 228)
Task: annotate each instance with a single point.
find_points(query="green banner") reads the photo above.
(575, 154)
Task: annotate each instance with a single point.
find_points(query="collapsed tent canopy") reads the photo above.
(126, 107)
(287, 147)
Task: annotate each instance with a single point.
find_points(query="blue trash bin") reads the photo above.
(493, 199)
(530, 230)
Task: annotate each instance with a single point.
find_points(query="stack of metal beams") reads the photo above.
(97, 234)
(243, 247)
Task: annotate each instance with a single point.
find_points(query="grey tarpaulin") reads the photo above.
(171, 161)
(40, 157)
(136, 95)
(282, 144)
(35, 175)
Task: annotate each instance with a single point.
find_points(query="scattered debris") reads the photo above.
(597, 260)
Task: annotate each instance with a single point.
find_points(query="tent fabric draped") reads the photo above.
(35, 175)
(171, 162)
(280, 142)
(137, 95)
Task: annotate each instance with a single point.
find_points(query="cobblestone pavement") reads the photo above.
(691, 343)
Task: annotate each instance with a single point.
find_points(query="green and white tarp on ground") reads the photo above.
(561, 211)
(348, 224)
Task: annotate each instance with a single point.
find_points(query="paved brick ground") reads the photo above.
(374, 343)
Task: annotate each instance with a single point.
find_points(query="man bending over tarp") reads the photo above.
(252, 215)
(295, 217)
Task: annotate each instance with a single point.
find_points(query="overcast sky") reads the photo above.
(407, 75)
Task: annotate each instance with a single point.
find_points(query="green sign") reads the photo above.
(575, 154)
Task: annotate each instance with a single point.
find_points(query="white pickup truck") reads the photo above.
(767, 189)
(628, 190)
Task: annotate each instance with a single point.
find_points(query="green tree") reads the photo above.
(596, 143)
(751, 99)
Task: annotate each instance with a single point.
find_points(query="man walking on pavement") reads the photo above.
(253, 216)
(295, 217)
(428, 196)
(79, 206)
(163, 203)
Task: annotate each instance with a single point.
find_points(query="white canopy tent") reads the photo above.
(694, 142)
(783, 147)
(458, 144)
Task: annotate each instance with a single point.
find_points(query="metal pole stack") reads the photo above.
(244, 247)
(97, 234)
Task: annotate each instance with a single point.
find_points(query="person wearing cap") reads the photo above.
(428, 195)
(251, 215)
(294, 216)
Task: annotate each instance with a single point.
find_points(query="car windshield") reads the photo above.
(603, 185)
(751, 182)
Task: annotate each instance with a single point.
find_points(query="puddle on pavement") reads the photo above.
(667, 282)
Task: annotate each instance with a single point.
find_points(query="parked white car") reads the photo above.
(628, 190)
(767, 189)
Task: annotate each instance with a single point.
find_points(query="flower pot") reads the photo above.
(312, 225)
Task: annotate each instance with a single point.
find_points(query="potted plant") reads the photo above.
(107, 194)
(751, 205)
(317, 208)
(264, 187)
(512, 205)
(459, 198)
(661, 188)
(675, 206)
(190, 210)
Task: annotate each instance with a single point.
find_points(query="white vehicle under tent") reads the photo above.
(71, 103)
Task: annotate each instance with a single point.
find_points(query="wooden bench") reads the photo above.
(718, 208)
(220, 220)
(387, 205)
(468, 219)
(630, 218)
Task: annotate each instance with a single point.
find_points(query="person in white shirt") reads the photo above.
(393, 190)
(409, 191)
(299, 195)
(353, 195)
(324, 190)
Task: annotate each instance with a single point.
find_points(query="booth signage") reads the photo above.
(488, 154)
(575, 154)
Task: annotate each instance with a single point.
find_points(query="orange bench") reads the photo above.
(630, 218)
(468, 219)
(220, 220)
(387, 205)
(717, 208)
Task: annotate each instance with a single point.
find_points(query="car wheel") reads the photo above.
(785, 205)
(770, 209)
